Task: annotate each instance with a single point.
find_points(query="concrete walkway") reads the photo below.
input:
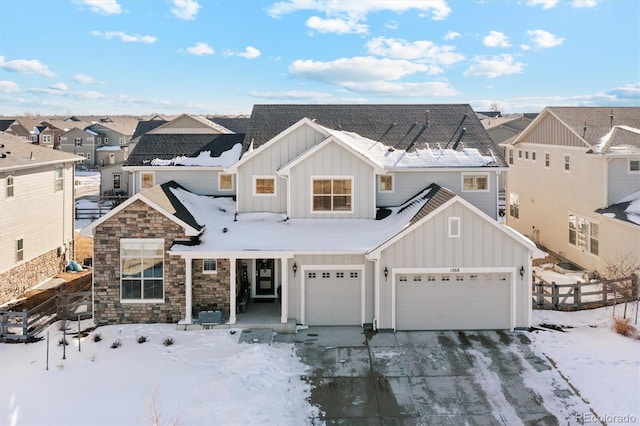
(432, 378)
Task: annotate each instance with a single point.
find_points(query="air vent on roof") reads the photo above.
(584, 129)
(1, 145)
(611, 117)
(3, 155)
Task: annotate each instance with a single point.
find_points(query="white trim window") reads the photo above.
(634, 166)
(385, 183)
(10, 186)
(332, 194)
(475, 182)
(58, 182)
(78, 141)
(514, 206)
(511, 157)
(117, 180)
(454, 227)
(106, 141)
(46, 138)
(142, 270)
(567, 163)
(209, 266)
(547, 159)
(584, 234)
(147, 180)
(533, 156)
(19, 250)
(225, 182)
(121, 141)
(264, 186)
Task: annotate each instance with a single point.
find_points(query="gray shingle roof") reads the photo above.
(167, 146)
(622, 141)
(235, 124)
(406, 127)
(163, 196)
(17, 154)
(145, 126)
(592, 123)
(621, 210)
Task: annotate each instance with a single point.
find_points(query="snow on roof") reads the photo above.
(604, 140)
(429, 157)
(274, 232)
(203, 158)
(109, 148)
(633, 209)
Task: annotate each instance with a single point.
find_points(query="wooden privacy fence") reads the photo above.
(26, 325)
(583, 295)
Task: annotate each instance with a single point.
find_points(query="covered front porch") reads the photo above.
(255, 288)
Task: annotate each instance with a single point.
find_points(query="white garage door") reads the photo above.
(333, 297)
(453, 301)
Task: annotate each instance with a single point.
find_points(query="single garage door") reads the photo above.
(453, 301)
(333, 297)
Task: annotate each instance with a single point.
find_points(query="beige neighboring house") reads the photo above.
(36, 214)
(574, 184)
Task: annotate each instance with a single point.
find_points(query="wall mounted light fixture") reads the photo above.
(386, 273)
(522, 272)
(295, 268)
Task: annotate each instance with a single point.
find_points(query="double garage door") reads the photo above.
(333, 297)
(453, 301)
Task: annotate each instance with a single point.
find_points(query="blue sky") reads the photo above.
(223, 56)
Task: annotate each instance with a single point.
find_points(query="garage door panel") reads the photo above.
(333, 300)
(446, 305)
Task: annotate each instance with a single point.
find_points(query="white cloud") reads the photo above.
(630, 91)
(250, 53)
(26, 66)
(451, 35)
(392, 25)
(544, 40)
(360, 68)
(294, 95)
(83, 78)
(127, 38)
(360, 8)
(185, 9)
(423, 51)
(403, 89)
(337, 25)
(525, 47)
(59, 87)
(9, 86)
(496, 39)
(493, 67)
(103, 7)
(200, 49)
(584, 3)
(546, 4)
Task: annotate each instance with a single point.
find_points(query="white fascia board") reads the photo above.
(170, 168)
(44, 163)
(249, 155)
(484, 169)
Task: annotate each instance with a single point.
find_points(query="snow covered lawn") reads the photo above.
(205, 377)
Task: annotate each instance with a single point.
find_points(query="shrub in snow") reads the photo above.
(116, 344)
(168, 341)
(142, 339)
(63, 341)
(97, 337)
(623, 326)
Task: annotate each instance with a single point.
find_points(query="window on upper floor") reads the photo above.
(78, 141)
(10, 186)
(526, 155)
(475, 182)
(547, 159)
(59, 178)
(210, 266)
(19, 250)
(519, 153)
(146, 180)
(46, 138)
(34, 138)
(264, 185)
(634, 166)
(511, 156)
(454, 227)
(142, 270)
(332, 194)
(225, 182)
(584, 233)
(385, 183)
(106, 141)
(567, 163)
(117, 180)
(533, 156)
(514, 205)
(99, 140)
(121, 141)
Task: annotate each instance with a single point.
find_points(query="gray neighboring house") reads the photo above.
(80, 142)
(36, 214)
(345, 214)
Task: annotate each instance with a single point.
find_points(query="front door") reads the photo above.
(265, 285)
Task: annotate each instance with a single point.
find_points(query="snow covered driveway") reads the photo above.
(439, 377)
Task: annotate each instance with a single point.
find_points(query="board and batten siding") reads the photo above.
(203, 181)
(480, 245)
(295, 283)
(406, 184)
(620, 181)
(266, 163)
(332, 161)
(550, 131)
(41, 216)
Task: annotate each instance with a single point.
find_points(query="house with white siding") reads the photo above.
(335, 214)
(574, 184)
(36, 214)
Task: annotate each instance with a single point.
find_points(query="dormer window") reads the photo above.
(475, 182)
(385, 183)
(332, 194)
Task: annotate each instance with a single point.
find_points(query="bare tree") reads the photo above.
(624, 269)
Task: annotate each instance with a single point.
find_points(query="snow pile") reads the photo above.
(204, 378)
(204, 158)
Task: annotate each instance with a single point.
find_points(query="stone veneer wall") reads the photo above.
(211, 291)
(21, 278)
(137, 220)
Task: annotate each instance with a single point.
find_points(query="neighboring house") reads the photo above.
(80, 142)
(343, 212)
(574, 171)
(36, 214)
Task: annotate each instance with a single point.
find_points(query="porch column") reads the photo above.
(284, 292)
(376, 293)
(188, 301)
(232, 289)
